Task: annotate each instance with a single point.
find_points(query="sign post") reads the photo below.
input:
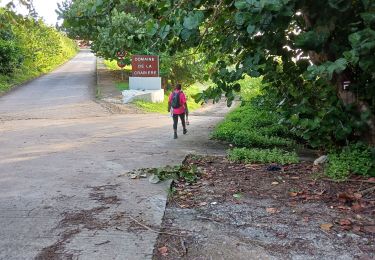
(145, 82)
(145, 72)
(121, 61)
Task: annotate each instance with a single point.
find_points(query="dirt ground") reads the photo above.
(238, 211)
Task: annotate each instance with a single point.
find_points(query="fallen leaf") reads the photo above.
(184, 206)
(345, 222)
(357, 196)
(369, 229)
(163, 250)
(275, 183)
(272, 210)
(357, 228)
(345, 196)
(326, 227)
(293, 194)
(295, 178)
(346, 227)
(357, 207)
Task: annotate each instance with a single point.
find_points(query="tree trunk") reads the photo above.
(348, 97)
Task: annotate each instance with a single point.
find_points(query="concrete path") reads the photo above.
(63, 194)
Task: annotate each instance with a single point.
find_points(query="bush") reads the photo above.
(29, 48)
(356, 158)
(252, 125)
(262, 156)
(10, 58)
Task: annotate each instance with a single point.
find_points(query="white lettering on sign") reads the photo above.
(142, 73)
(144, 59)
(145, 66)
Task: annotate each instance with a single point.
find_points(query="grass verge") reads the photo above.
(255, 155)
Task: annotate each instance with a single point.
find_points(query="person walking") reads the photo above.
(177, 106)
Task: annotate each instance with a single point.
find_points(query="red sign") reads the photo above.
(121, 54)
(121, 63)
(145, 66)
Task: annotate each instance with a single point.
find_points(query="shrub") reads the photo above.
(10, 57)
(262, 156)
(252, 125)
(29, 48)
(355, 158)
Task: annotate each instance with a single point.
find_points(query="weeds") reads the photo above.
(188, 173)
(356, 158)
(262, 156)
(251, 126)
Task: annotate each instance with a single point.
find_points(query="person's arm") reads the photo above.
(169, 104)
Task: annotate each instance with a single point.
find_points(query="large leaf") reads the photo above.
(193, 20)
(340, 5)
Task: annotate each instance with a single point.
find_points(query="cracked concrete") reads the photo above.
(57, 143)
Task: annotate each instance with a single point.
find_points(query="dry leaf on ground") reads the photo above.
(272, 210)
(326, 226)
(370, 229)
(163, 250)
(345, 222)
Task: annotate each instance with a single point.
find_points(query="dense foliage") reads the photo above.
(254, 123)
(29, 48)
(305, 50)
(124, 25)
(355, 158)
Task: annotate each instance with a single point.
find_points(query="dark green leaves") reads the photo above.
(240, 18)
(151, 27)
(312, 40)
(340, 5)
(193, 20)
(164, 31)
(241, 4)
(250, 29)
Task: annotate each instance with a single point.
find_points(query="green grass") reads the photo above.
(253, 126)
(122, 86)
(254, 130)
(162, 107)
(255, 155)
(355, 158)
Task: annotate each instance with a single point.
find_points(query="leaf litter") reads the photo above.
(304, 215)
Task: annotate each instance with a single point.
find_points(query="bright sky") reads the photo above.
(45, 9)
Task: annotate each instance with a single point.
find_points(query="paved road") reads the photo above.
(62, 158)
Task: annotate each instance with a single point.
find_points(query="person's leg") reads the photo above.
(182, 116)
(175, 122)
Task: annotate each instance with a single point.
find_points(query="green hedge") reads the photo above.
(30, 47)
(251, 126)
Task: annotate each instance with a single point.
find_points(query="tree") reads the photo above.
(306, 51)
(126, 25)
